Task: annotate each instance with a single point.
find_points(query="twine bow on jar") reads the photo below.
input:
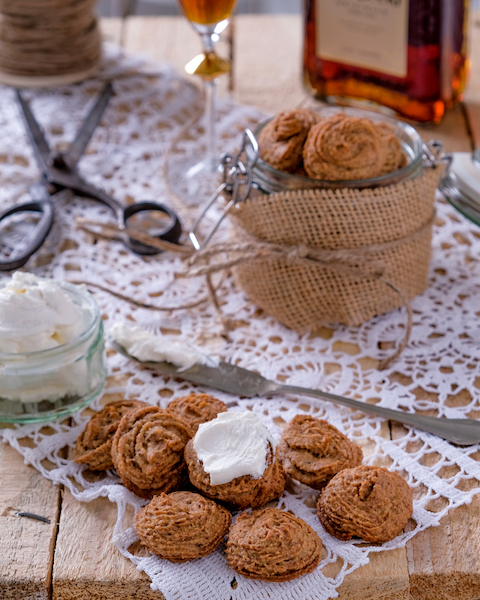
(215, 258)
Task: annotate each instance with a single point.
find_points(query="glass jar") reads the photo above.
(407, 55)
(314, 253)
(50, 384)
(268, 179)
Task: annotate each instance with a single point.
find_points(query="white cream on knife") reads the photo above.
(146, 346)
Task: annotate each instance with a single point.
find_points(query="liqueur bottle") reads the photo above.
(407, 55)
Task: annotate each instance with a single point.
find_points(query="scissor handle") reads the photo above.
(42, 229)
(171, 234)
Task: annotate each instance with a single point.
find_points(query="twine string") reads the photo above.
(136, 303)
(40, 38)
(214, 258)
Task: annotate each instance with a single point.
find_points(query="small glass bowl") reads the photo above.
(269, 179)
(50, 384)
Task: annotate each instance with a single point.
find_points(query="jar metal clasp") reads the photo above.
(237, 182)
(433, 156)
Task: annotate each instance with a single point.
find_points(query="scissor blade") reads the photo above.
(41, 149)
(78, 146)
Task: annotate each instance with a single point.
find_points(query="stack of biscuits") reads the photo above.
(187, 517)
(339, 147)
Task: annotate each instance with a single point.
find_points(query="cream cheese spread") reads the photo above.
(231, 445)
(40, 324)
(146, 346)
(36, 314)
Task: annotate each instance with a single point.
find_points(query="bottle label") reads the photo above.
(372, 34)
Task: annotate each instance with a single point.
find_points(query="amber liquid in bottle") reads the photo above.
(435, 66)
(207, 12)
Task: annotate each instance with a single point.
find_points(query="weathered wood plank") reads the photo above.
(267, 54)
(452, 131)
(26, 545)
(444, 561)
(385, 577)
(162, 39)
(87, 565)
(111, 30)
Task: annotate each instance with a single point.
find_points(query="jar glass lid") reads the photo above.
(461, 184)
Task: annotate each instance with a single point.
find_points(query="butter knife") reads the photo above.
(248, 384)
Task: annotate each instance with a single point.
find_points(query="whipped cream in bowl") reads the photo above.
(51, 348)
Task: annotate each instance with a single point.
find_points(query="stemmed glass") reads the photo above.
(209, 18)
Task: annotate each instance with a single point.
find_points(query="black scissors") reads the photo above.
(59, 172)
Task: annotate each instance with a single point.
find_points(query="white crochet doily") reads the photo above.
(437, 371)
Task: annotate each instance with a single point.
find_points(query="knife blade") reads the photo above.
(241, 382)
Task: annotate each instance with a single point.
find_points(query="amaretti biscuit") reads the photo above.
(197, 408)
(182, 526)
(395, 158)
(241, 492)
(368, 502)
(272, 545)
(94, 445)
(148, 451)
(344, 147)
(281, 140)
(313, 451)
(232, 459)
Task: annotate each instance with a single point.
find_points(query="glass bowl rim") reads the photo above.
(376, 116)
(94, 311)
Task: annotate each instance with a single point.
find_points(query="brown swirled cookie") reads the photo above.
(313, 451)
(241, 492)
(182, 526)
(395, 158)
(94, 444)
(272, 545)
(197, 408)
(343, 147)
(147, 451)
(368, 502)
(271, 486)
(281, 140)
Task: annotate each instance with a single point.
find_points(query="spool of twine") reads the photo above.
(48, 42)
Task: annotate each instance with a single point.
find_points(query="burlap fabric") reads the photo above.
(349, 254)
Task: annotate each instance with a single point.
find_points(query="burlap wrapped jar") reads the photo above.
(337, 254)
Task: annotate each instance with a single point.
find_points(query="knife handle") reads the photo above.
(463, 432)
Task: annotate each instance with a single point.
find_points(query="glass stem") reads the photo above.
(210, 93)
(210, 88)
(207, 41)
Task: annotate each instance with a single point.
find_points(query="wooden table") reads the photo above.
(39, 561)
